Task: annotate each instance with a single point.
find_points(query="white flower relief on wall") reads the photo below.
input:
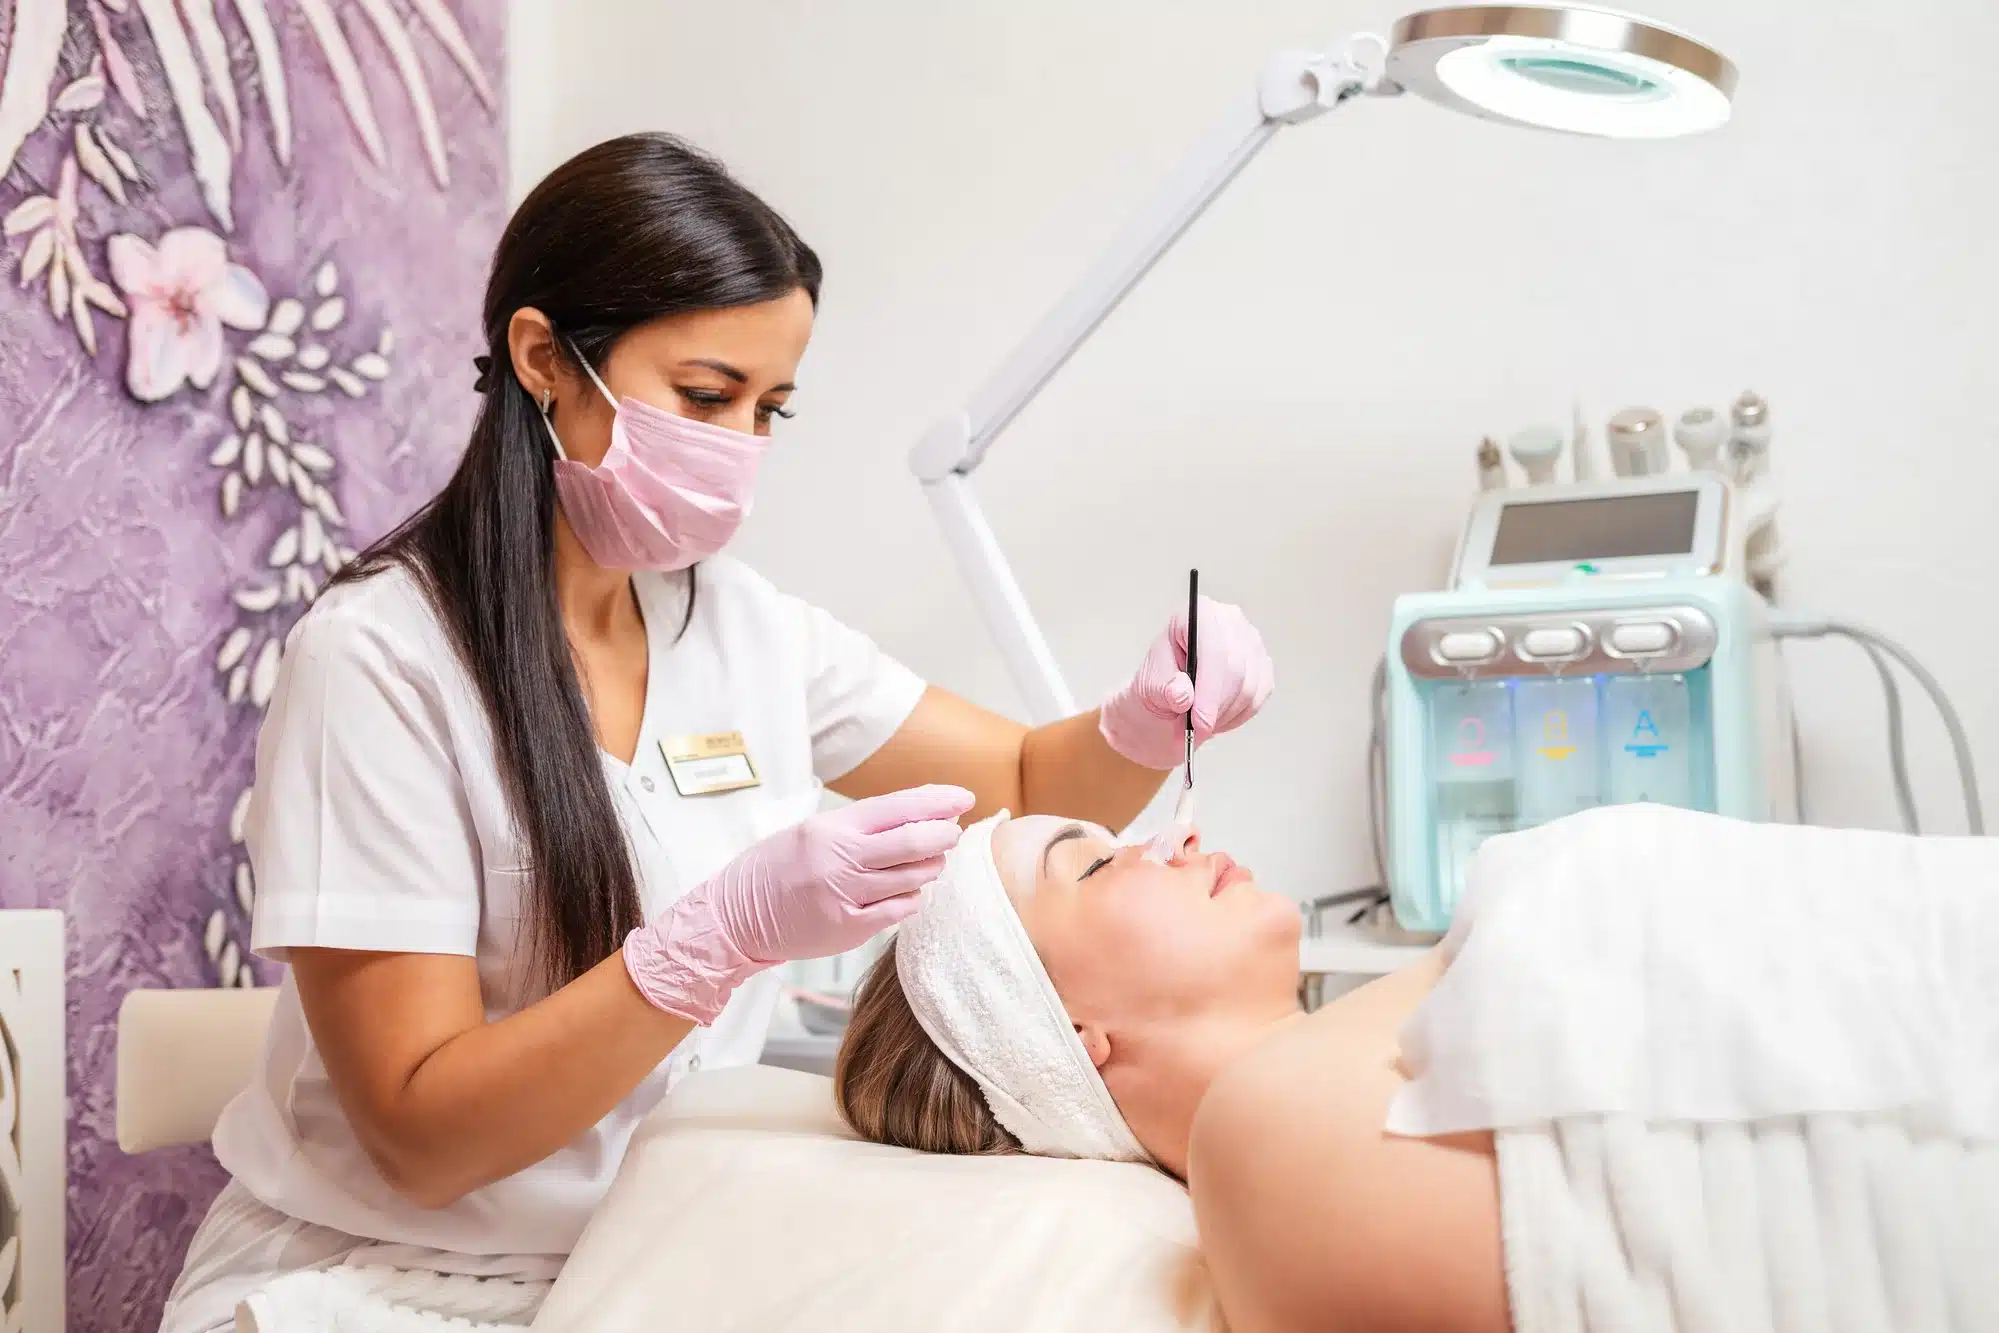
(195, 318)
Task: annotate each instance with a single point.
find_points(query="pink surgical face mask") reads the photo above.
(669, 493)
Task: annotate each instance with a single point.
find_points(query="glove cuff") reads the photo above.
(684, 963)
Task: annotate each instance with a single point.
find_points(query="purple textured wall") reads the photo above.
(243, 256)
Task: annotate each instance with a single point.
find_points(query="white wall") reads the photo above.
(1291, 401)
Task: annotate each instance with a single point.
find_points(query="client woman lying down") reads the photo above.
(1181, 982)
(1695, 1130)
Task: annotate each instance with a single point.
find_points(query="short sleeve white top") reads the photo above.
(378, 822)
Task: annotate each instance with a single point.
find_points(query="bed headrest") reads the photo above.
(745, 1203)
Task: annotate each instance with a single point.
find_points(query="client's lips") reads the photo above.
(1227, 872)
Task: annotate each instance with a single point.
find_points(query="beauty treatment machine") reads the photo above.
(1598, 645)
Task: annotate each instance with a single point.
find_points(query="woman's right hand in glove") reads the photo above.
(821, 887)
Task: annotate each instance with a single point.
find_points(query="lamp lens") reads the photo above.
(1573, 74)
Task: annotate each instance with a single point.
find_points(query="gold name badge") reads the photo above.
(709, 765)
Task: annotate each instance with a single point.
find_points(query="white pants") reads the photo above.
(242, 1245)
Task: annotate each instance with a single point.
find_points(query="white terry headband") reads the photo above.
(979, 990)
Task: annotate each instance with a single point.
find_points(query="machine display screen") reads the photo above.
(1600, 529)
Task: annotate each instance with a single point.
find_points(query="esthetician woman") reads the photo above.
(535, 798)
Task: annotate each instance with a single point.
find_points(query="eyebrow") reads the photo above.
(724, 368)
(1069, 834)
(720, 368)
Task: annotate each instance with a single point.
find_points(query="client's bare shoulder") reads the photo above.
(1311, 1217)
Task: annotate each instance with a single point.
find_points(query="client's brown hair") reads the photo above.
(894, 1086)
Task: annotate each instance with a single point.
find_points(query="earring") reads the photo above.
(546, 394)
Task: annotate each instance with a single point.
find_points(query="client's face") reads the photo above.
(1131, 941)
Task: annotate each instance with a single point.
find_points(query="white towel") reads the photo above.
(978, 988)
(1744, 1077)
(1668, 966)
(1814, 1224)
(390, 1300)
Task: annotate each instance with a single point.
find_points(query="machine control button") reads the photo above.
(1643, 637)
(1474, 645)
(1554, 644)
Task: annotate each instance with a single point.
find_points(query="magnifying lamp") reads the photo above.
(1569, 68)
(1583, 71)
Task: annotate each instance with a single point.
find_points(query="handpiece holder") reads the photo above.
(1294, 87)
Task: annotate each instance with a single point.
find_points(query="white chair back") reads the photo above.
(182, 1054)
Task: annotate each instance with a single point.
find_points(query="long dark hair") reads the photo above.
(620, 235)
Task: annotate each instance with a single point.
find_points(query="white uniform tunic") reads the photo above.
(379, 822)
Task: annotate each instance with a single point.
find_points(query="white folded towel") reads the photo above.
(978, 988)
(1742, 1076)
(373, 1299)
(1671, 966)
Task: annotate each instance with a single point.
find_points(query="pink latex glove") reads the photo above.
(1146, 721)
(823, 886)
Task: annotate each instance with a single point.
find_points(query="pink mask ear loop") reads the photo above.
(553, 439)
(589, 370)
